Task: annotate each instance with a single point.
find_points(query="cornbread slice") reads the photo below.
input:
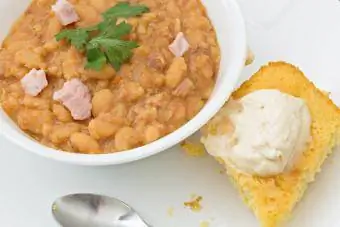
(273, 198)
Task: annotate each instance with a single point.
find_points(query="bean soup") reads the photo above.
(107, 91)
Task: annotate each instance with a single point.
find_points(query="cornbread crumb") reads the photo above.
(250, 57)
(272, 199)
(54, 207)
(193, 149)
(170, 211)
(204, 224)
(195, 204)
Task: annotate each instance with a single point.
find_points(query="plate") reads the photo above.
(308, 35)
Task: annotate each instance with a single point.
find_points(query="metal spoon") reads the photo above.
(89, 210)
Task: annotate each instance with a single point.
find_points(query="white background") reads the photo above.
(306, 33)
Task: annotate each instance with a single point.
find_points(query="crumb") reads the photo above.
(194, 205)
(204, 224)
(54, 207)
(250, 57)
(193, 149)
(170, 211)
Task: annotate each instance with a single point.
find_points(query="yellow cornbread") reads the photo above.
(273, 198)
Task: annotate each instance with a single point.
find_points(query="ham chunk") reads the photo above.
(34, 82)
(76, 97)
(65, 12)
(184, 88)
(179, 46)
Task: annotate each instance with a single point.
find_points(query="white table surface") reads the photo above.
(306, 34)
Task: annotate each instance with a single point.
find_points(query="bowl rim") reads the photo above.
(157, 146)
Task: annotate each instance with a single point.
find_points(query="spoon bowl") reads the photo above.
(90, 210)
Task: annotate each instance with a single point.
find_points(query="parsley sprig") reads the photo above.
(104, 43)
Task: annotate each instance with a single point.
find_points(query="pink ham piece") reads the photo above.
(34, 82)
(180, 45)
(65, 12)
(184, 88)
(76, 97)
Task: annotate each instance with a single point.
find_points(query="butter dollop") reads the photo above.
(270, 132)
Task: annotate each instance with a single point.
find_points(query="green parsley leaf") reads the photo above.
(96, 58)
(125, 10)
(77, 37)
(104, 43)
(117, 51)
(109, 29)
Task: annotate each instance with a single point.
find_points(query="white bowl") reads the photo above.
(229, 24)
